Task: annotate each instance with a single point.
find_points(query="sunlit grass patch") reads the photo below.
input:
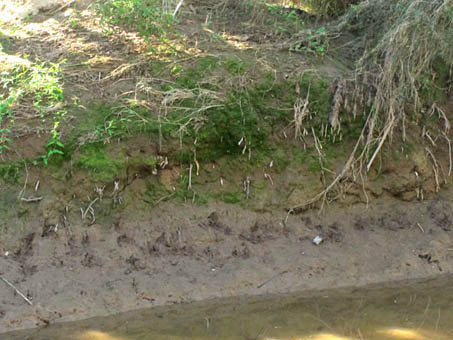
(30, 90)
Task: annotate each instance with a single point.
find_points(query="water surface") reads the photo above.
(418, 311)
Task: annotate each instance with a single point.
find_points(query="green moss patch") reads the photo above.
(10, 172)
(101, 166)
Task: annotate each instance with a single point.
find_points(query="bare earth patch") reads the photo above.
(177, 254)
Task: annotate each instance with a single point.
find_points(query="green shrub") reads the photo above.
(145, 16)
(190, 78)
(31, 84)
(235, 66)
(325, 7)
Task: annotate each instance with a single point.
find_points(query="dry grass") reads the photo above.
(324, 7)
(388, 83)
(389, 75)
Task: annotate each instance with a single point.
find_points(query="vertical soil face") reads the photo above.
(180, 253)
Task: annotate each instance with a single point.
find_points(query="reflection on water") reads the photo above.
(98, 335)
(323, 336)
(411, 334)
(415, 312)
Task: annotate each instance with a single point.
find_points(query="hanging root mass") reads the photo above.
(407, 47)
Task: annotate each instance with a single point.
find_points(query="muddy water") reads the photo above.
(418, 311)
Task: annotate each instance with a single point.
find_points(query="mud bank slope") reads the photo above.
(92, 178)
(177, 254)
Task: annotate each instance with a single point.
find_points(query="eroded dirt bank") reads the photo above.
(180, 253)
(101, 229)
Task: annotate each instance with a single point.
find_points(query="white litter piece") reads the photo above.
(317, 240)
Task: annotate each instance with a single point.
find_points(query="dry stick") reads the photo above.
(189, 186)
(363, 188)
(247, 187)
(381, 142)
(197, 165)
(320, 156)
(90, 206)
(300, 111)
(269, 280)
(21, 193)
(177, 8)
(449, 153)
(437, 321)
(360, 334)
(63, 7)
(267, 176)
(345, 169)
(421, 228)
(163, 198)
(93, 216)
(444, 116)
(31, 199)
(430, 139)
(159, 119)
(425, 313)
(17, 290)
(435, 168)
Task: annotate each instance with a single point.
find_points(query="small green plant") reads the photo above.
(235, 66)
(74, 20)
(114, 126)
(191, 77)
(288, 19)
(176, 69)
(38, 81)
(328, 7)
(316, 41)
(55, 147)
(33, 84)
(230, 197)
(4, 140)
(148, 17)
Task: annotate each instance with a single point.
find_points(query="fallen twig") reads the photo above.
(31, 199)
(89, 209)
(273, 277)
(22, 192)
(387, 130)
(63, 7)
(267, 176)
(435, 168)
(16, 290)
(247, 183)
(189, 186)
(318, 147)
(449, 153)
(421, 228)
(177, 8)
(163, 198)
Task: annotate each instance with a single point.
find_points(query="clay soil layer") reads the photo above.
(181, 253)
